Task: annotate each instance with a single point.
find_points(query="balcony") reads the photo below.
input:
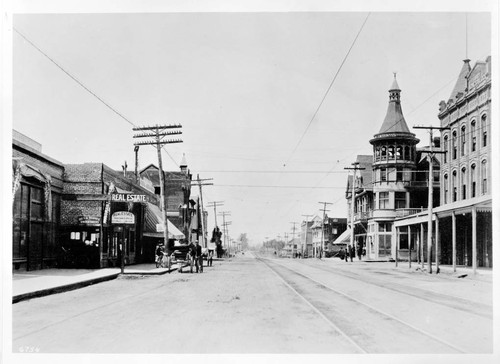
(408, 212)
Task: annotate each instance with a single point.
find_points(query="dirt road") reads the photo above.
(250, 305)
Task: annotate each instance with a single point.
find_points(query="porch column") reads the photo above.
(437, 244)
(397, 244)
(454, 240)
(422, 244)
(409, 246)
(474, 239)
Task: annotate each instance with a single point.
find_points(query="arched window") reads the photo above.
(484, 177)
(446, 188)
(399, 152)
(454, 187)
(445, 149)
(391, 151)
(473, 180)
(484, 131)
(464, 183)
(454, 146)
(473, 135)
(463, 144)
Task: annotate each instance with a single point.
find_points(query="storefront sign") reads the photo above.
(88, 220)
(125, 197)
(123, 217)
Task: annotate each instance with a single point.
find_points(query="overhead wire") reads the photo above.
(327, 90)
(82, 84)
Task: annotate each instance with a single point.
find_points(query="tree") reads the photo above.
(244, 241)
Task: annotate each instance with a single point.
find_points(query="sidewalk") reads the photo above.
(27, 285)
(482, 274)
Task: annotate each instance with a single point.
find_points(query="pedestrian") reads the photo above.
(360, 251)
(210, 257)
(352, 252)
(198, 258)
(159, 253)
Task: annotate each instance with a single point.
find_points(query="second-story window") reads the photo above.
(383, 174)
(446, 189)
(464, 183)
(383, 200)
(484, 131)
(484, 178)
(445, 149)
(473, 135)
(454, 187)
(463, 145)
(473, 180)
(454, 144)
(400, 200)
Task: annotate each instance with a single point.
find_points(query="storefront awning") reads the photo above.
(344, 238)
(154, 217)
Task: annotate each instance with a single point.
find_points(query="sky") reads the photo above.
(249, 89)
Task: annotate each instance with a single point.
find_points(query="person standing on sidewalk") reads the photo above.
(198, 259)
(352, 252)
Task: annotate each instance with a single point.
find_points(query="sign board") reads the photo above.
(89, 220)
(126, 197)
(123, 217)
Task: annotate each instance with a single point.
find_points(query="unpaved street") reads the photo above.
(248, 304)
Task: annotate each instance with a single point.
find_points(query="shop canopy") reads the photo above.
(344, 238)
(154, 217)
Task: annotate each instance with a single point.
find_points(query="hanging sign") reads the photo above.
(123, 217)
(125, 197)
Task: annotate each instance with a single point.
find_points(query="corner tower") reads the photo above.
(394, 161)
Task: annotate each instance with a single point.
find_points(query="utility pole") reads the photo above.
(224, 225)
(430, 157)
(293, 238)
(353, 198)
(323, 226)
(214, 205)
(158, 133)
(307, 223)
(200, 182)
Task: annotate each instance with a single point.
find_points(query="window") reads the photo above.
(407, 155)
(484, 178)
(446, 189)
(473, 180)
(484, 131)
(383, 200)
(473, 134)
(445, 146)
(391, 152)
(454, 182)
(383, 174)
(399, 174)
(463, 137)
(400, 199)
(399, 152)
(36, 204)
(464, 183)
(454, 146)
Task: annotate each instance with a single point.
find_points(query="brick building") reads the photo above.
(37, 188)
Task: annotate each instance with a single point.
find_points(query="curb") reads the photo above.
(149, 273)
(60, 289)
